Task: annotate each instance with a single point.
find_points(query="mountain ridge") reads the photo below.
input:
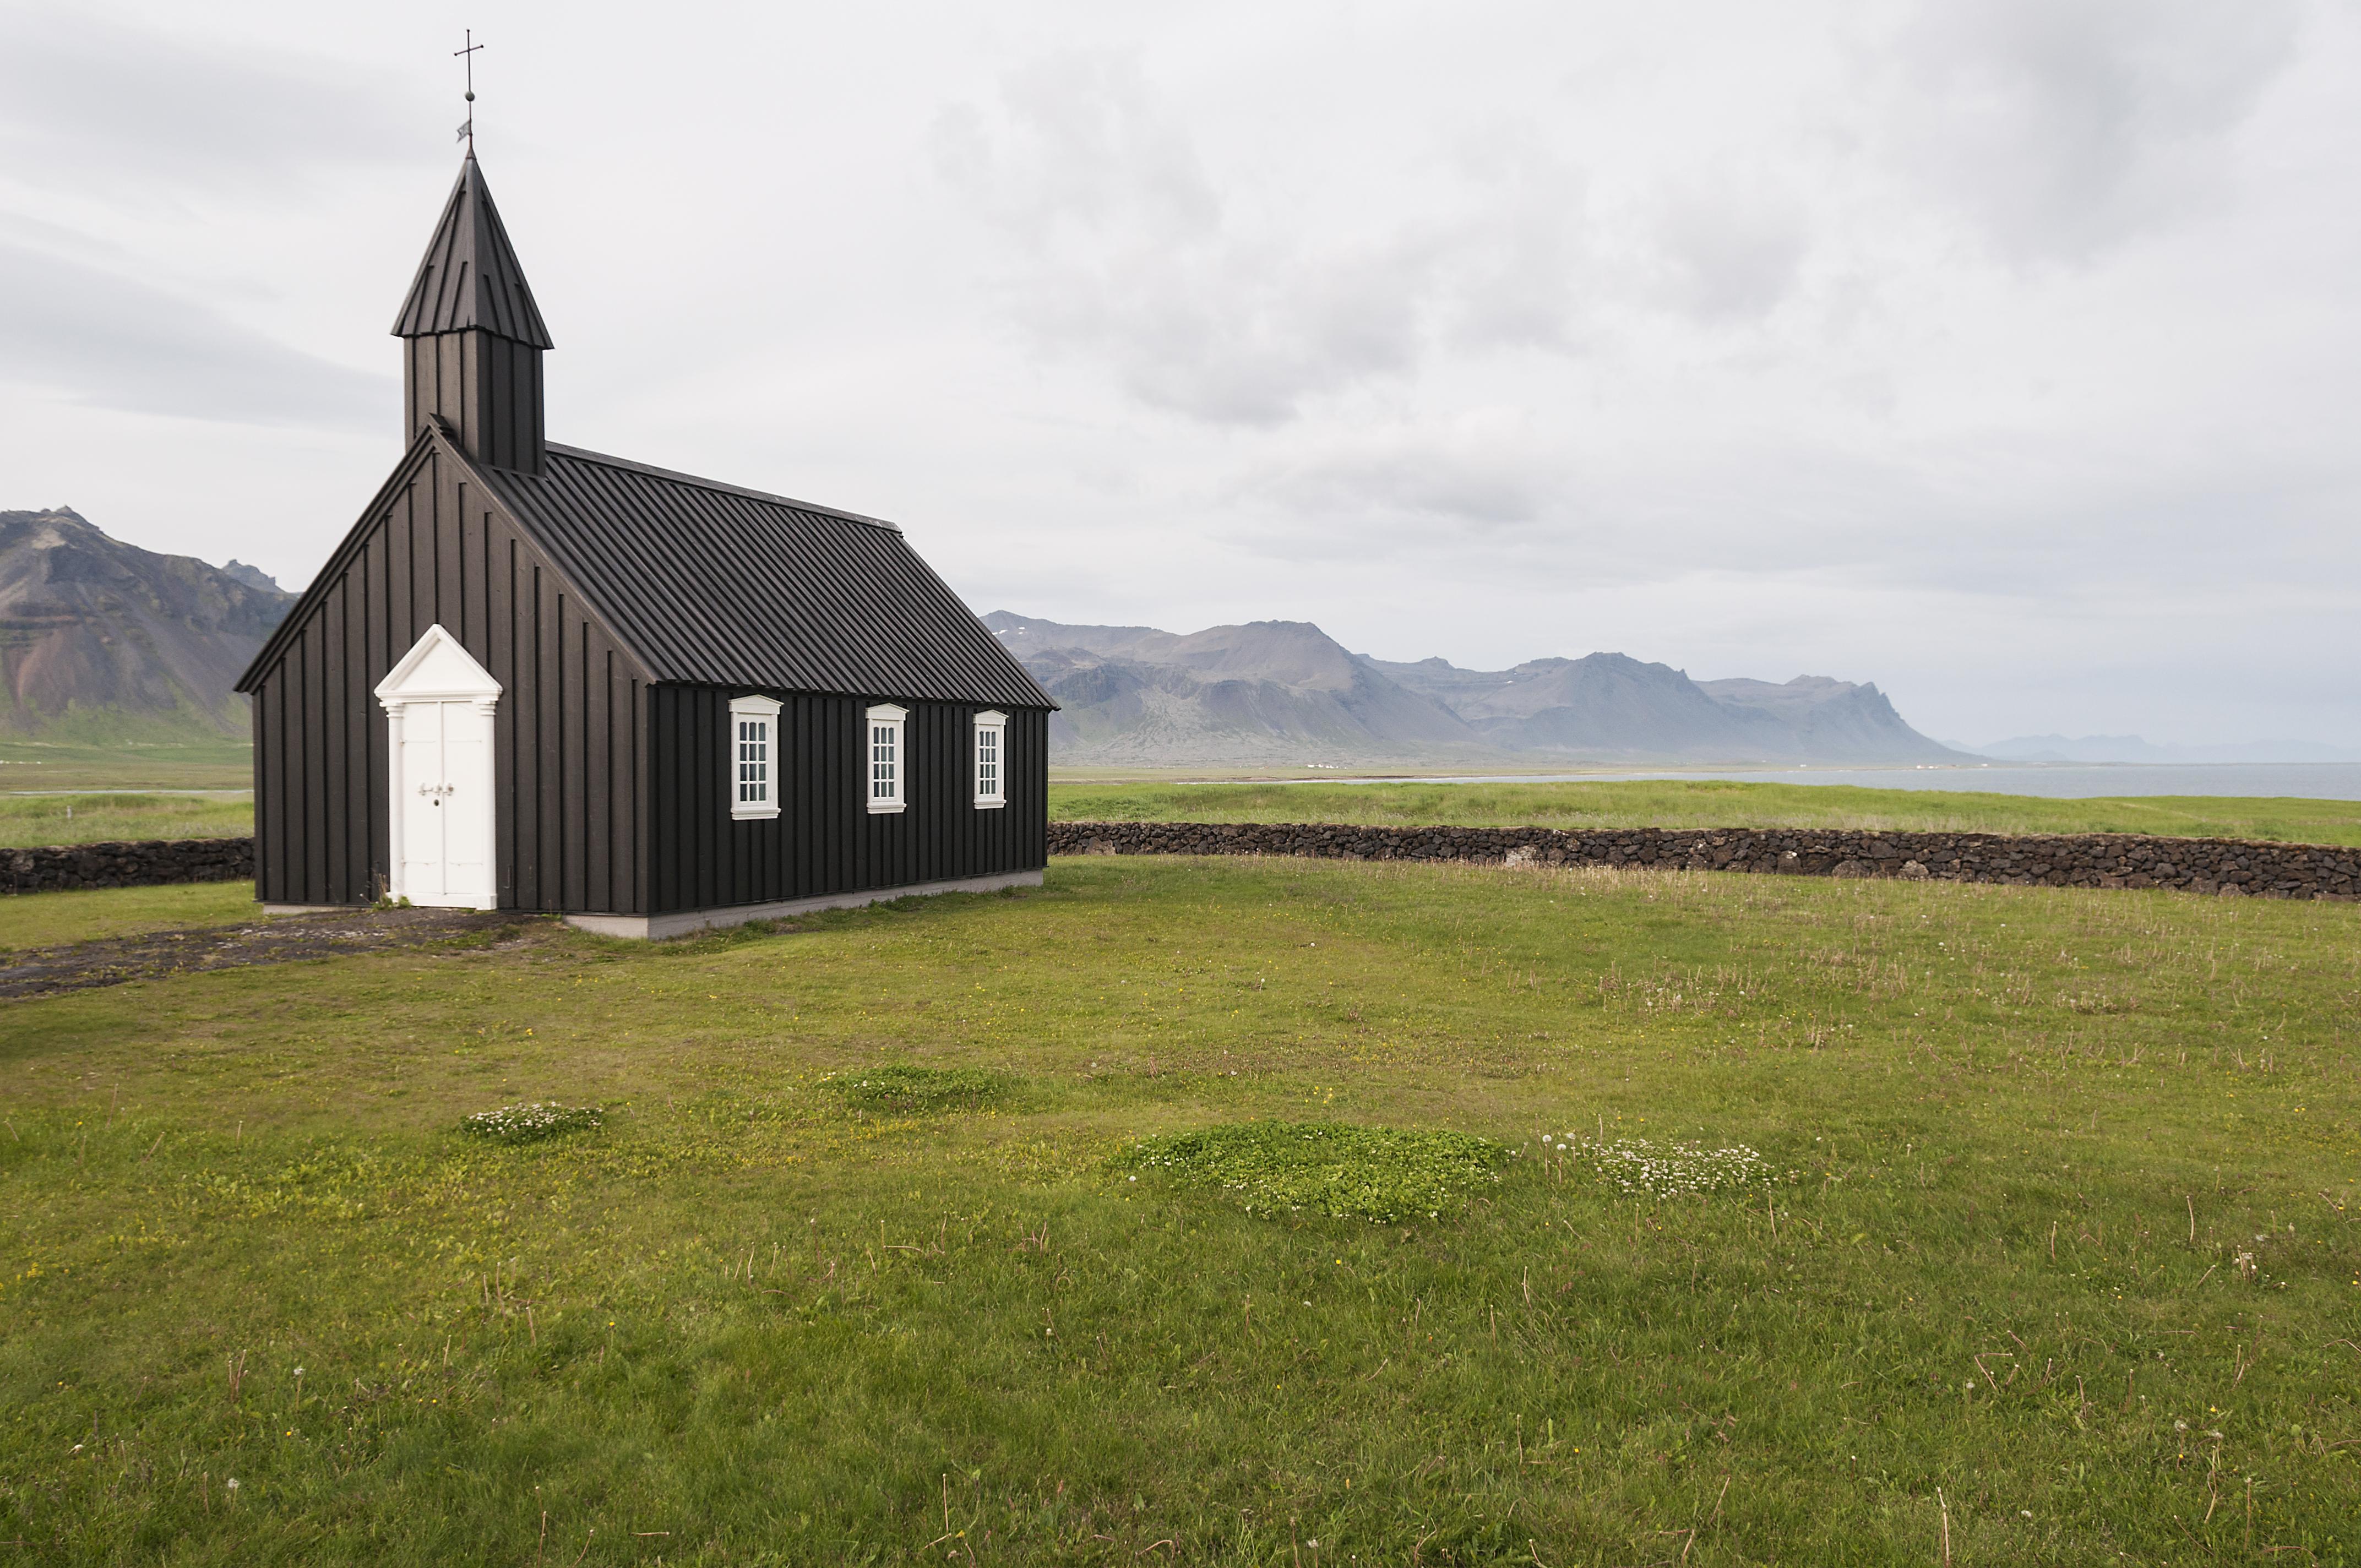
(1273, 691)
(101, 639)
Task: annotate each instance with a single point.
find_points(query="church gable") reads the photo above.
(438, 536)
(437, 549)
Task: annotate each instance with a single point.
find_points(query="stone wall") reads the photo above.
(2081, 860)
(2084, 859)
(145, 863)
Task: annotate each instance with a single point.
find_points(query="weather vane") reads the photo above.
(467, 126)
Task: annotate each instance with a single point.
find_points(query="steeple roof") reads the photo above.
(470, 277)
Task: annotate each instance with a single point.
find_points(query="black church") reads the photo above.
(535, 677)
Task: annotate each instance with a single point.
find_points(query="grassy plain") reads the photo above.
(53, 919)
(2057, 1265)
(1709, 803)
(117, 763)
(36, 819)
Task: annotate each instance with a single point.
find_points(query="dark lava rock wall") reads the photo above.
(2220, 866)
(148, 862)
(2088, 860)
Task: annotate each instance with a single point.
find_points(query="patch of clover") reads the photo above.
(1381, 1174)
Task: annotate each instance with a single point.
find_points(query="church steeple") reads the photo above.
(472, 337)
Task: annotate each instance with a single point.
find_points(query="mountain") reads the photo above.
(1835, 721)
(1280, 691)
(2132, 748)
(237, 571)
(102, 641)
(1270, 691)
(1610, 706)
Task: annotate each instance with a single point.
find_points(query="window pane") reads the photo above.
(755, 762)
(883, 742)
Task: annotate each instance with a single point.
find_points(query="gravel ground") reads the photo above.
(117, 960)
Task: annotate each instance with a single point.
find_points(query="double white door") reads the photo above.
(443, 803)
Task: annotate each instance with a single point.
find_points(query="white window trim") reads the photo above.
(996, 724)
(885, 713)
(766, 710)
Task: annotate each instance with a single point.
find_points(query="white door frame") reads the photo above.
(439, 669)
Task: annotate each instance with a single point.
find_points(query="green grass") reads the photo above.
(116, 762)
(1709, 803)
(2055, 1241)
(52, 919)
(29, 820)
(1325, 1167)
(898, 1088)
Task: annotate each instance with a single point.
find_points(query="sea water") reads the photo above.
(2066, 781)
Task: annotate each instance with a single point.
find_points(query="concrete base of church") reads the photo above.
(655, 927)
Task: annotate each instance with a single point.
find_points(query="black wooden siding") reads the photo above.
(571, 828)
(824, 839)
(486, 387)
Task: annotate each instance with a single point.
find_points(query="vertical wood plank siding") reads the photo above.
(824, 839)
(571, 816)
(486, 387)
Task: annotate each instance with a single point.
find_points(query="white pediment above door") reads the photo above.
(436, 669)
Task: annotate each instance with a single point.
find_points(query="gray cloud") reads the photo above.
(2067, 125)
(1521, 255)
(1126, 255)
(1229, 311)
(127, 113)
(76, 330)
(1351, 502)
(1730, 254)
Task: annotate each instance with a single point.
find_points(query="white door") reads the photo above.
(439, 703)
(444, 795)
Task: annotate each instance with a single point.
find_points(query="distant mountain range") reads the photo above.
(2132, 748)
(1284, 691)
(103, 641)
(100, 641)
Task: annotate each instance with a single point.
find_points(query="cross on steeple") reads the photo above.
(467, 128)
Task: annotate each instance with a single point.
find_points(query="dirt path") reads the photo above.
(151, 955)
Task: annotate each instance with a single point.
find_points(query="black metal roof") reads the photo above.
(707, 582)
(470, 276)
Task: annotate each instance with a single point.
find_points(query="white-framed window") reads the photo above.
(753, 761)
(991, 761)
(887, 757)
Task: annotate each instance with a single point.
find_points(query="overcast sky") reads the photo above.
(2003, 352)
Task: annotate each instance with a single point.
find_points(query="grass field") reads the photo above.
(52, 919)
(1709, 803)
(2054, 1260)
(36, 819)
(57, 764)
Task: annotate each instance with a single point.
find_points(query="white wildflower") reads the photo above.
(1668, 1170)
(540, 1119)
